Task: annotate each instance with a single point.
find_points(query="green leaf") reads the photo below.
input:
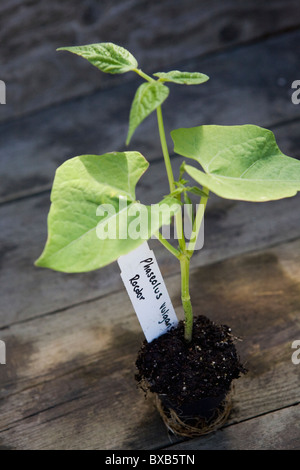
(181, 170)
(147, 98)
(94, 195)
(176, 192)
(106, 56)
(197, 191)
(182, 78)
(240, 162)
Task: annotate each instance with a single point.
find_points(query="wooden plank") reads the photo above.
(158, 34)
(275, 431)
(240, 91)
(231, 227)
(68, 382)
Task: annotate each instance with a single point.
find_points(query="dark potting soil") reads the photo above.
(188, 372)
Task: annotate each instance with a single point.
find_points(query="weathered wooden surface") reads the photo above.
(231, 227)
(72, 340)
(235, 94)
(69, 379)
(158, 33)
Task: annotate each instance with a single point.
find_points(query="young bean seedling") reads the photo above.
(235, 162)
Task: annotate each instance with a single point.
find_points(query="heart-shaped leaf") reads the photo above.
(148, 97)
(106, 56)
(94, 216)
(182, 78)
(240, 162)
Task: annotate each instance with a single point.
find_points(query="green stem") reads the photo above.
(185, 269)
(184, 256)
(164, 146)
(197, 222)
(144, 75)
(185, 253)
(185, 298)
(167, 245)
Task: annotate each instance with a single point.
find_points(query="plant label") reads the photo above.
(147, 292)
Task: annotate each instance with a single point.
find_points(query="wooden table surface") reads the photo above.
(72, 340)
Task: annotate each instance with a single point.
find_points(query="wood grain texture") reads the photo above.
(251, 85)
(72, 340)
(158, 33)
(28, 164)
(69, 384)
(231, 227)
